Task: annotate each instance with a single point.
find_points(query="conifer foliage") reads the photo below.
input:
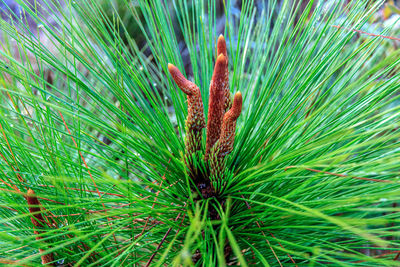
(273, 144)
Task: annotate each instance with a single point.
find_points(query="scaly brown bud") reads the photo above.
(34, 209)
(221, 49)
(39, 223)
(224, 146)
(216, 103)
(195, 121)
(227, 137)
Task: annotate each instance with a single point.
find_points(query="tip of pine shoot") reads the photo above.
(171, 67)
(237, 97)
(237, 104)
(30, 192)
(33, 203)
(176, 74)
(221, 46)
(31, 198)
(185, 85)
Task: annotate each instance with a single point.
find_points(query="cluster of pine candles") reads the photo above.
(221, 125)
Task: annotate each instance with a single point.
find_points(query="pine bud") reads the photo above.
(39, 223)
(216, 103)
(221, 49)
(195, 121)
(224, 146)
(227, 137)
